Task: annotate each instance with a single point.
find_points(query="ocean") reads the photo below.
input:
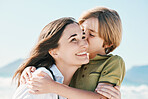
(7, 88)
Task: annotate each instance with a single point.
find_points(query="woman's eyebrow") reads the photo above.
(72, 36)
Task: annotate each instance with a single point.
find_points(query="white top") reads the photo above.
(22, 90)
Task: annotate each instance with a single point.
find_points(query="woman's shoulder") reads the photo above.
(42, 69)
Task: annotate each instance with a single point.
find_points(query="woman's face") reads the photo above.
(91, 27)
(73, 46)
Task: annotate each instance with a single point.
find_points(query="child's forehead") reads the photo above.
(91, 24)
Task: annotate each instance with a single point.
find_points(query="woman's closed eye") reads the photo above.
(73, 40)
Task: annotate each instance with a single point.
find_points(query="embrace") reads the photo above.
(71, 59)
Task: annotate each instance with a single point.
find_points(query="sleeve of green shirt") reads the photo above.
(113, 71)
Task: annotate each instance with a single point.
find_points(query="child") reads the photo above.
(104, 28)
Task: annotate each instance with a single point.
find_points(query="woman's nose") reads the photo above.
(84, 43)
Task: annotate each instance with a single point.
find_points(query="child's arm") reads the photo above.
(22, 90)
(26, 74)
(113, 72)
(112, 93)
(47, 85)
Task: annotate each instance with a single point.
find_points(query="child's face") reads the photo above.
(73, 46)
(91, 27)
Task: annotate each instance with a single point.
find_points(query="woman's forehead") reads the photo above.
(72, 29)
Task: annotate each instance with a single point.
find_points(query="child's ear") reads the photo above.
(53, 53)
(107, 46)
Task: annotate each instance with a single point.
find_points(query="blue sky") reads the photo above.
(22, 20)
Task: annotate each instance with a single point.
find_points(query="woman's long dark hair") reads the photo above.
(48, 39)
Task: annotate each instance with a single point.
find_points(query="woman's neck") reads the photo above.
(67, 71)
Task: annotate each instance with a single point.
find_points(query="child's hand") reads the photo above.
(109, 91)
(26, 74)
(41, 84)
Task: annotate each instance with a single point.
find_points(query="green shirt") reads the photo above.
(102, 68)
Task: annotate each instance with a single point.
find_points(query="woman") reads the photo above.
(61, 49)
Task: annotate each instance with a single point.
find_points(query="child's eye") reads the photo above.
(91, 35)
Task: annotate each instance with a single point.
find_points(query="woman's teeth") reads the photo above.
(83, 53)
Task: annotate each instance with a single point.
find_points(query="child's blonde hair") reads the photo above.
(110, 27)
